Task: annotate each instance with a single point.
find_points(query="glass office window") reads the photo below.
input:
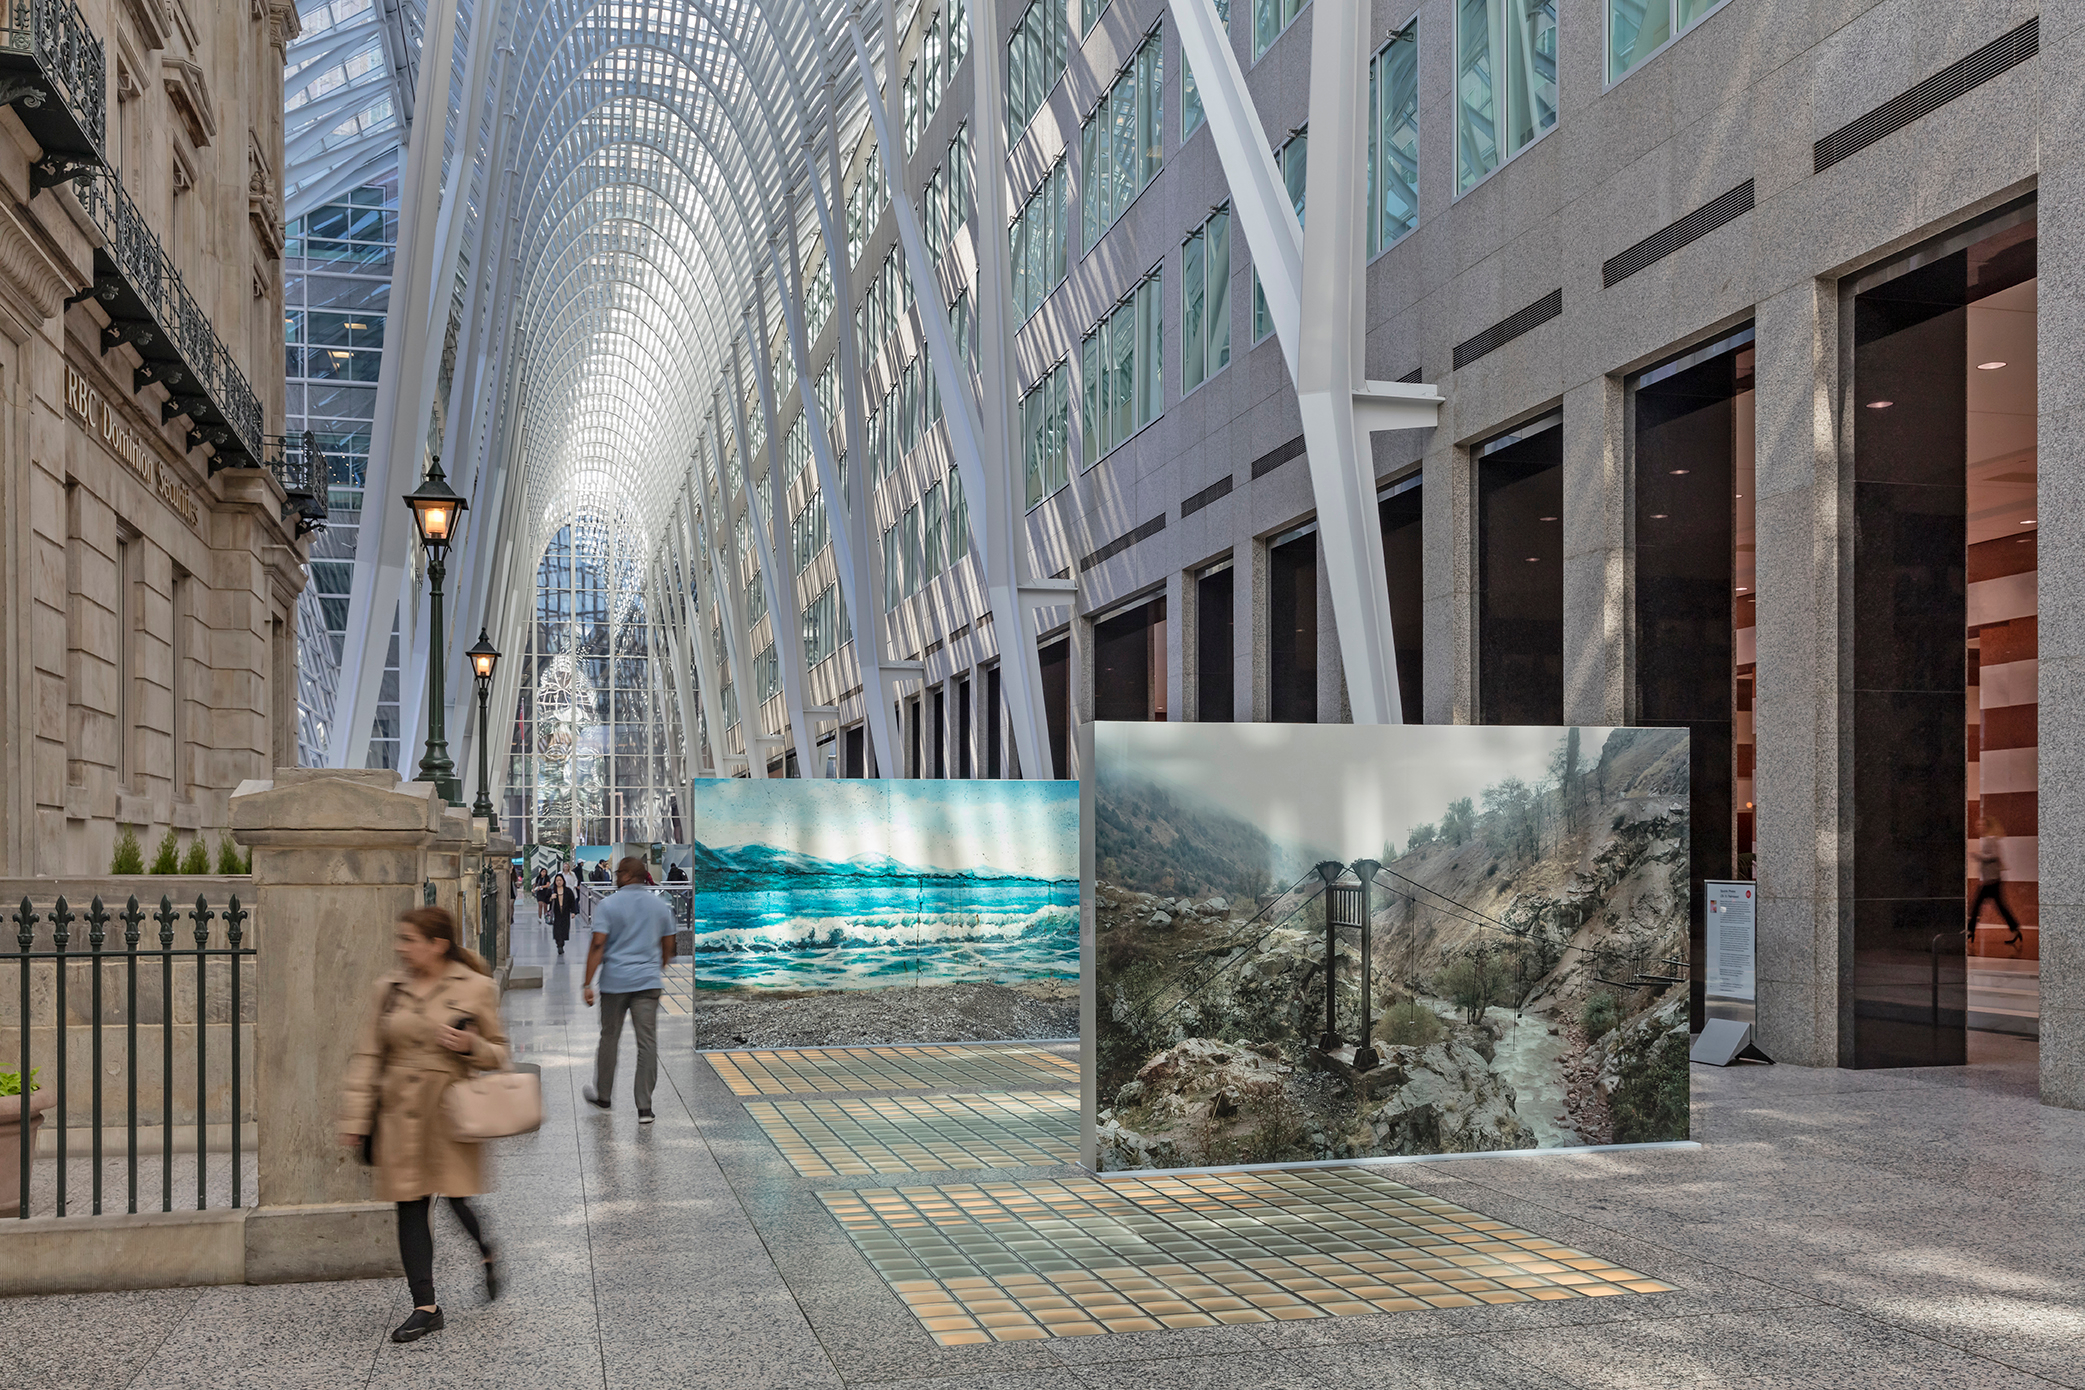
(1269, 19)
(1045, 435)
(1393, 139)
(1034, 62)
(1638, 28)
(1191, 113)
(808, 532)
(1121, 144)
(1038, 238)
(935, 507)
(891, 569)
(1119, 367)
(1294, 159)
(1205, 301)
(1129, 664)
(958, 517)
(1505, 81)
(908, 546)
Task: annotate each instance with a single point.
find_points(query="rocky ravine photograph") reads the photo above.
(1525, 893)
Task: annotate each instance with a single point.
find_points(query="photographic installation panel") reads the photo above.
(1504, 912)
(813, 884)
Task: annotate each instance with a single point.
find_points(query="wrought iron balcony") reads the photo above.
(300, 467)
(54, 73)
(150, 308)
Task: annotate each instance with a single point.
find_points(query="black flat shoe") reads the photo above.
(492, 1278)
(417, 1326)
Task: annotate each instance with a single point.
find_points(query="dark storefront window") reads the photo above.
(1129, 664)
(1908, 629)
(1693, 454)
(1292, 629)
(1056, 684)
(1520, 576)
(1404, 566)
(995, 724)
(964, 766)
(1216, 669)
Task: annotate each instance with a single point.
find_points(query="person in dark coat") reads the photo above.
(563, 899)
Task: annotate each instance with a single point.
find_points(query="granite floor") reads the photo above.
(1835, 1229)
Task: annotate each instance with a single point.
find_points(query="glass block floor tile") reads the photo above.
(921, 1134)
(1079, 1257)
(939, 1067)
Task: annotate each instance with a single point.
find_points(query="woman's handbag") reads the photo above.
(495, 1105)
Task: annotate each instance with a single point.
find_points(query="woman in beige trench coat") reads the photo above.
(433, 1021)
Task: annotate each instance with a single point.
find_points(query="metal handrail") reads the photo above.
(300, 466)
(57, 36)
(144, 265)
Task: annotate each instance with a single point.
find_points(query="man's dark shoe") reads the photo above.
(417, 1326)
(592, 1099)
(644, 1117)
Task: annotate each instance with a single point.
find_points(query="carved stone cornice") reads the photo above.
(28, 275)
(263, 198)
(284, 23)
(189, 91)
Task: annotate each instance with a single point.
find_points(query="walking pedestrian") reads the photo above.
(563, 898)
(632, 946)
(1990, 872)
(435, 1020)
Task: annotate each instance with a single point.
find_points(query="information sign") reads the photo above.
(1729, 928)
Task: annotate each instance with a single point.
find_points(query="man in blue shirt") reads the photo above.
(632, 945)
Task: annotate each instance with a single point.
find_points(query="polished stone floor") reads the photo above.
(1836, 1229)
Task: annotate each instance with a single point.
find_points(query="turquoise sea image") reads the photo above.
(817, 884)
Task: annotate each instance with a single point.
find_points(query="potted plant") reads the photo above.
(11, 1111)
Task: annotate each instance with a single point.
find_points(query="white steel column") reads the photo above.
(709, 689)
(383, 543)
(722, 544)
(784, 622)
(1313, 282)
(980, 432)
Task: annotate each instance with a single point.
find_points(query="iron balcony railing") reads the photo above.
(300, 466)
(49, 52)
(166, 1039)
(150, 308)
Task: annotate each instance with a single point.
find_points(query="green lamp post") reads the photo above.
(437, 509)
(484, 657)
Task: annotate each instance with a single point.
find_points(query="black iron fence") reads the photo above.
(118, 979)
(150, 307)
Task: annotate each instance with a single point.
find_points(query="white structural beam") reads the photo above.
(1313, 282)
(383, 544)
(846, 514)
(714, 522)
(785, 624)
(709, 689)
(980, 429)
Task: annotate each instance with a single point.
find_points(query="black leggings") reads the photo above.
(416, 1243)
(1993, 893)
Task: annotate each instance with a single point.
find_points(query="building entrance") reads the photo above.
(1944, 652)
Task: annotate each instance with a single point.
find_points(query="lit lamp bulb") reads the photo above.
(438, 523)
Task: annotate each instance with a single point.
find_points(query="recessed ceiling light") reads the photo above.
(1657, 516)
(1534, 559)
(2028, 522)
(1547, 518)
(1680, 472)
(1880, 405)
(1741, 588)
(1989, 366)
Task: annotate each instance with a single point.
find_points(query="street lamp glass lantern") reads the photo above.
(484, 657)
(437, 508)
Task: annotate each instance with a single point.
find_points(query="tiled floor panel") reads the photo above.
(950, 1066)
(1018, 1261)
(920, 1134)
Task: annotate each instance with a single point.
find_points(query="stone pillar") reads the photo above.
(337, 857)
(2060, 508)
(446, 861)
(1803, 869)
(1597, 563)
(500, 852)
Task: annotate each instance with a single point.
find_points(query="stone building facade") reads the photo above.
(152, 552)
